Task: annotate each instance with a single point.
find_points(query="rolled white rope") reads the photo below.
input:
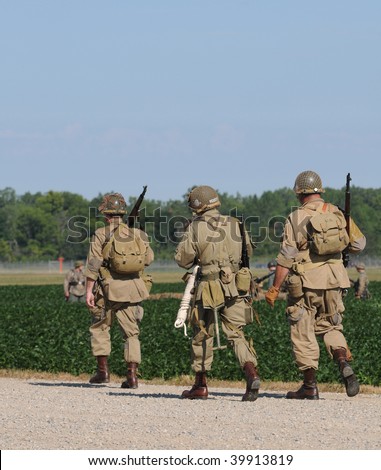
(182, 313)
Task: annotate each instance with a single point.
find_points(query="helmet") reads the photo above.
(78, 264)
(271, 264)
(360, 266)
(113, 203)
(308, 182)
(202, 198)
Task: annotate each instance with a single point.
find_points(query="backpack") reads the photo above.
(327, 234)
(125, 254)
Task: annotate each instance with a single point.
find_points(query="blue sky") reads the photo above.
(242, 95)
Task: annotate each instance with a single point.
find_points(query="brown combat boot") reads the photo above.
(102, 375)
(132, 379)
(308, 390)
(352, 386)
(199, 391)
(252, 382)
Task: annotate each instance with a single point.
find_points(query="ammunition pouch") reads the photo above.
(226, 275)
(298, 267)
(243, 280)
(295, 286)
(295, 312)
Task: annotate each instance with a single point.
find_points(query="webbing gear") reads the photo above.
(300, 267)
(210, 276)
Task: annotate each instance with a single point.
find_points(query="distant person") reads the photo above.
(271, 266)
(116, 289)
(265, 282)
(75, 284)
(312, 263)
(361, 285)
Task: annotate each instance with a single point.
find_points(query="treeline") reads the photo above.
(45, 226)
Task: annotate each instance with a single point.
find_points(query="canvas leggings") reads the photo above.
(128, 316)
(233, 317)
(320, 314)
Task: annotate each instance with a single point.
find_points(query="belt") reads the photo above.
(210, 276)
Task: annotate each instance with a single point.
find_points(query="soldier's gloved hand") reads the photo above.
(272, 295)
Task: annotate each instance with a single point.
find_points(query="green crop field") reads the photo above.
(41, 332)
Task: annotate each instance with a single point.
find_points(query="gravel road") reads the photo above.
(54, 414)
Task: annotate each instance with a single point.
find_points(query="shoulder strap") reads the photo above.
(108, 242)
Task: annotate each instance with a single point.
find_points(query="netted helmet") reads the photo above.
(78, 264)
(308, 182)
(272, 264)
(113, 204)
(203, 198)
(360, 266)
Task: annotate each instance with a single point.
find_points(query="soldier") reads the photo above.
(362, 283)
(315, 282)
(271, 266)
(214, 242)
(115, 287)
(75, 284)
(260, 290)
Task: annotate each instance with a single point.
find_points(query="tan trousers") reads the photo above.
(233, 318)
(128, 316)
(320, 315)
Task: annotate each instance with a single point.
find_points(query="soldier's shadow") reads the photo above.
(260, 395)
(145, 395)
(212, 395)
(134, 393)
(66, 384)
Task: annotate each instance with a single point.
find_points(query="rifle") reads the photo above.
(258, 280)
(347, 215)
(134, 213)
(245, 261)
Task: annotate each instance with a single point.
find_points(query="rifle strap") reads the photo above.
(198, 323)
(256, 316)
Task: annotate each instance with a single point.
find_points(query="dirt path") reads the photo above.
(59, 414)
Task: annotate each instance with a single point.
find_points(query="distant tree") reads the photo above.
(47, 225)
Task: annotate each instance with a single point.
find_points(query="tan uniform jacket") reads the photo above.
(117, 287)
(214, 242)
(317, 272)
(75, 283)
